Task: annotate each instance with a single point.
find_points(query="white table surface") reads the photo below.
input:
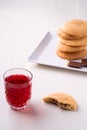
(23, 24)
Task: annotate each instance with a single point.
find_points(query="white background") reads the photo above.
(23, 24)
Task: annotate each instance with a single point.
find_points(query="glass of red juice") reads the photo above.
(18, 86)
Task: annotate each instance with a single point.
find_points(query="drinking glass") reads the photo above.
(18, 86)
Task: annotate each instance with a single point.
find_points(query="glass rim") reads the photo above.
(19, 69)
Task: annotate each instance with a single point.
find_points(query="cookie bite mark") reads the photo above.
(51, 100)
(66, 107)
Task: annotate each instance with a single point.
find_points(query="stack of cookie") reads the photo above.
(72, 40)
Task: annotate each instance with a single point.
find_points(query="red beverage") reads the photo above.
(18, 90)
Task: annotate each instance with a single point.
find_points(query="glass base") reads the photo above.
(18, 108)
(21, 107)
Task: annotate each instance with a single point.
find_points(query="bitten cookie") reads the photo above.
(71, 55)
(75, 27)
(62, 100)
(66, 48)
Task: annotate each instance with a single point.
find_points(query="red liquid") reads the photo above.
(18, 90)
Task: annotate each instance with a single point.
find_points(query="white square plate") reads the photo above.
(45, 54)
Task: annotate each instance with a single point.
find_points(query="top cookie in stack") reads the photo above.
(72, 40)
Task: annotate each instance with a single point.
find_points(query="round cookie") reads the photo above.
(75, 27)
(71, 55)
(66, 48)
(76, 42)
(65, 35)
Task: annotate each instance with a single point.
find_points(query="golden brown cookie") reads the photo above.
(76, 42)
(64, 101)
(66, 48)
(71, 55)
(65, 35)
(75, 27)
